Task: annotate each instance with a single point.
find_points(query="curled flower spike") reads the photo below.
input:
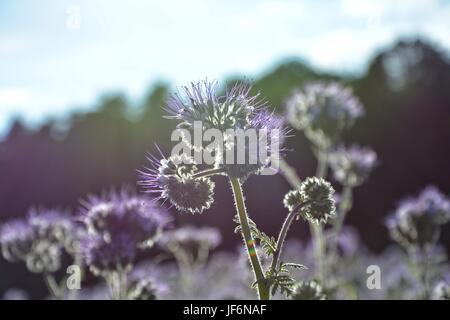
(351, 166)
(173, 178)
(417, 221)
(314, 200)
(192, 195)
(201, 102)
(323, 110)
(310, 290)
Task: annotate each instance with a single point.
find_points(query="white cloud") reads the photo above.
(49, 67)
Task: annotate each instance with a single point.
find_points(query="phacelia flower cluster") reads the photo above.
(323, 110)
(270, 131)
(417, 221)
(238, 109)
(314, 200)
(201, 102)
(178, 179)
(351, 166)
(118, 225)
(39, 240)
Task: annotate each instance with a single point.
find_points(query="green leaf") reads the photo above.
(268, 244)
(294, 265)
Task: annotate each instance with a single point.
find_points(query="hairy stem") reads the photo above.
(263, 290)
(319, 250)
(282, 237)
(422, 265)
(53, 286)
(123, 281)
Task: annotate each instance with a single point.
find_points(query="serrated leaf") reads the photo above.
(294, 265)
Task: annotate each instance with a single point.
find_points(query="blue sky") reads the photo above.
(60, 55)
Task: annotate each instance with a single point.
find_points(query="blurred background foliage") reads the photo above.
(406, 94)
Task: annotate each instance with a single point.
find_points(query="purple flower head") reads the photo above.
(417, 221)
(257, 147)
(123, 213)
(39, 240)
(323, 110)
(191, 238)
(105, 256)
(173, 180)
(351, 166)
(201, 102)
(16, 239)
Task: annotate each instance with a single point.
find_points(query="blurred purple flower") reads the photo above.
(105, 256)
(323, 110)
(351, 166)
(123, 213)
(16, 239)
(416, 222)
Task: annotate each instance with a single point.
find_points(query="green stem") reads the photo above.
(319, 250)
(263, 289)
(422, 266)
(344, 208)
(185, 265)
(123, 279)
(317, 230)
(117, 283)
(53, 286)
(282, 237)
(322, 164)
(289, 174)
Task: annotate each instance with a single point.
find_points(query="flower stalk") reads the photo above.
(282, 237)
(263, 289)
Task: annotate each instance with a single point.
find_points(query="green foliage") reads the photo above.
(281, 279)
(267, 243)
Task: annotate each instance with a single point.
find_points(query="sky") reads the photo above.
(58, 56)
